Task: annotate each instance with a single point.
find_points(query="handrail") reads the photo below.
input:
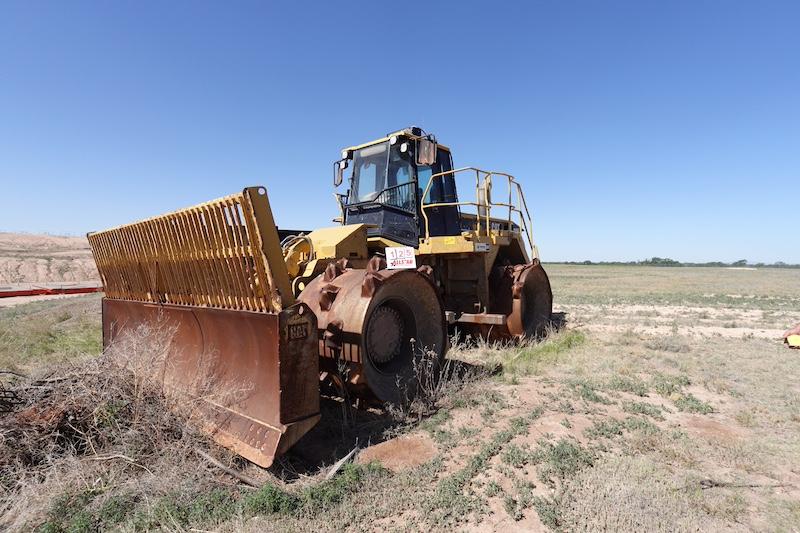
(483, 182)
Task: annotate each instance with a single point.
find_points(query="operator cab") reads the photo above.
(388, 179)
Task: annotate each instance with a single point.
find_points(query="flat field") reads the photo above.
(665, 402)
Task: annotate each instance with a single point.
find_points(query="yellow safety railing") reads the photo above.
(516, 205)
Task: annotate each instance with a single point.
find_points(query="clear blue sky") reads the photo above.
(637, 128)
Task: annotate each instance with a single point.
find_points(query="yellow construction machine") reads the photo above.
(263, 312)
(792, 337)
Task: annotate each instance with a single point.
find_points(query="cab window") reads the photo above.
(443, 188)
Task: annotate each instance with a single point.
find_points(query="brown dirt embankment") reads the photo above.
(27, 258)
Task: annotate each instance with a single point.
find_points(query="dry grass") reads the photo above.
(630, 418)
(706, 286)
(101, 443)
(95, 434)
(436, 385)
(36, 335)
(521, 359)
(632, 494)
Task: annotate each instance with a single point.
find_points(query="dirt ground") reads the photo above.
(666, 402)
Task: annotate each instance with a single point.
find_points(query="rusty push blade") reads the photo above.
(210, 283)
(254, 376)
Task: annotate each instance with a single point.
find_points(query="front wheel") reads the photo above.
(405, 336)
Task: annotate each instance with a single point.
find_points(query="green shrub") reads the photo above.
(636, 423)
(270, 499)
(527, 358)
(332, 491)
(691, 404)
(68, 513)
(549, 512)
(605, 428)
(561, 460)
(588, 391)
(515, 456)
(614, 428)
(212, 507)
(666, 384)
(632, 385)
(643, 408)
(116, 509)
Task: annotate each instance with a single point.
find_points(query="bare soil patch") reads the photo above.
(401, 453)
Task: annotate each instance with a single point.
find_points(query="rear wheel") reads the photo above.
(523, 294)
(535, 302)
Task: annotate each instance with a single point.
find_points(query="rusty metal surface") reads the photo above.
(346, 300)
(39, 289)
(532, 300)
(256, 374)
(522, 293)
(383, 337)
(491, 319)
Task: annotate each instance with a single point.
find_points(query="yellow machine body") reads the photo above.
(254, 313)
(215, 283)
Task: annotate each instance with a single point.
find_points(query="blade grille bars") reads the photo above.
(214, 254)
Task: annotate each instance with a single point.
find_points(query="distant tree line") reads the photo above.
(667, 262)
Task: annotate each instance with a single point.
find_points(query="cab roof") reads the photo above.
(407, 132)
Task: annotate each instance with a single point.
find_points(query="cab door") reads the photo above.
(444, 220)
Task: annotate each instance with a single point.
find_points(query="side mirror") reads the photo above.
(426, 152)
(338, 172)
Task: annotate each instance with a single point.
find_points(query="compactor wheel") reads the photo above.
(532, 301)
(388, 323)
(522, 293)
(405, 336)
(384, 334)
